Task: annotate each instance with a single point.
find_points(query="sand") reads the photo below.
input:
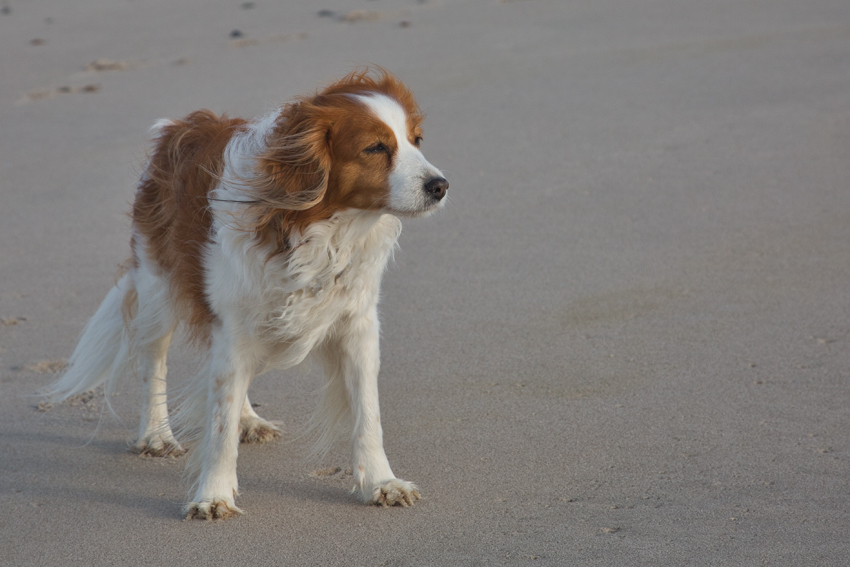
(623, 342)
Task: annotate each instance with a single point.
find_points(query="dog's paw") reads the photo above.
(258, 430)
(395, 492)
(157, 446)
(211, 510)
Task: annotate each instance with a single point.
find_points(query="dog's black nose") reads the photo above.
(436, 187)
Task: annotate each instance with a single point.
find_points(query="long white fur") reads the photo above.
(273, 311)
(103, 350)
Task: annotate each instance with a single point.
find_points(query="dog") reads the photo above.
(268, 240)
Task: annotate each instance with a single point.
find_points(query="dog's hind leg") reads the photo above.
(152, 328)
(155, 436)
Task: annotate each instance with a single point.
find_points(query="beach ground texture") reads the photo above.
(625, 341)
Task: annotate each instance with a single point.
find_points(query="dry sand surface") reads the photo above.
(624, 342)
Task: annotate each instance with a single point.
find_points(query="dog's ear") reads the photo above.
(290, 177)
(292, 174)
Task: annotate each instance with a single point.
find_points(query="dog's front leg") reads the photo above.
(215, 457)
(359, 362)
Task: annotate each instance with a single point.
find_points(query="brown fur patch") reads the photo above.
(129, 306)
(171, 207)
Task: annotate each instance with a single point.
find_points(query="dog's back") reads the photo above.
(171, 211)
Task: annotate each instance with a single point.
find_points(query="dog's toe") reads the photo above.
(211, 510)
(157, 447)
(258, 430)
(396, 492)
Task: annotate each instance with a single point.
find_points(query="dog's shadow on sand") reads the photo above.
(72, 470)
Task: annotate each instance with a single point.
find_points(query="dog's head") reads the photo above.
(353, 145)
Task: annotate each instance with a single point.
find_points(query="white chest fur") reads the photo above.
(286, 305)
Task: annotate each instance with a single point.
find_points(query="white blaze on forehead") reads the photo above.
(410, 169)
(389, 111)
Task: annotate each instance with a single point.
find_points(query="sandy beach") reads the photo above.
(623, 342)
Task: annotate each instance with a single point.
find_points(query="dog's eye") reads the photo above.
(378, 148)
(417, 140)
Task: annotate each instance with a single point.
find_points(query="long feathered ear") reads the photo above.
(292, 174)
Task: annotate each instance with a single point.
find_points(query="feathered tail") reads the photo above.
(104, 351)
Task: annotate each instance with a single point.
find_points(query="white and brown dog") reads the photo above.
(268, 238)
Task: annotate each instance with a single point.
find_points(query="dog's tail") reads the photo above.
(105, 350)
